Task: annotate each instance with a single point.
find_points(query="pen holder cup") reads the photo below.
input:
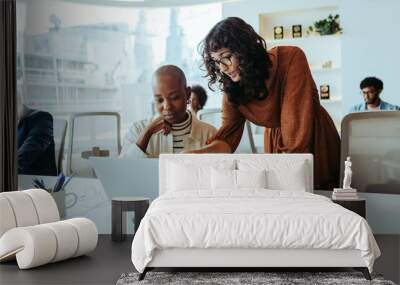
(59, 198)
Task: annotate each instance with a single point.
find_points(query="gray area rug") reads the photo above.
(229, 278)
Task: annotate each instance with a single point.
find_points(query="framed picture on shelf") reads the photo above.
(324, 91)
(278, 32)
(296, 31)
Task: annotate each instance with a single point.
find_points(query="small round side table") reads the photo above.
(119, 207)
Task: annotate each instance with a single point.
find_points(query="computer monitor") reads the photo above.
(127, 177)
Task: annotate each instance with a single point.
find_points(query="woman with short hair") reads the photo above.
(198, 98)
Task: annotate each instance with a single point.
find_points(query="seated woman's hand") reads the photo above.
(154, 127)
(157, 125)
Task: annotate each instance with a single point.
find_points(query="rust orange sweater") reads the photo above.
(293, 118)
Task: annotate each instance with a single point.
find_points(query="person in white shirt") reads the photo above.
(175, 130)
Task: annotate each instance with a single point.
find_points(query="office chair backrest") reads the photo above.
(72, 139)
(60, 127)
(372, 140)
(213, 117)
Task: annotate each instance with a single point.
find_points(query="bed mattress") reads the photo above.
(250, 219)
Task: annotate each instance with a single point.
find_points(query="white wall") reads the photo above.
(370, 47)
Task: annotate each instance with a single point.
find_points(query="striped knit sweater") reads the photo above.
(180, 132)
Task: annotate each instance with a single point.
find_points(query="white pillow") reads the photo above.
(237, 179)
(251, 178)
(186, 175)
(293, 178)
(281, 175)
(223, 179)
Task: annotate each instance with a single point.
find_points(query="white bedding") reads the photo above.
(251, 218)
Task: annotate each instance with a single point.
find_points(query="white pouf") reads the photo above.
(31, 232)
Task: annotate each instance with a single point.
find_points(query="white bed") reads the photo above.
(201, 219)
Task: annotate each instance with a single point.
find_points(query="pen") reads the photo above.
(59, 182)
(39, 183)
(66, 182)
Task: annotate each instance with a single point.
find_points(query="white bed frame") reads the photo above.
(251, 258)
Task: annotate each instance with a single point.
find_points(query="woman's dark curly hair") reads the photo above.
(240, 38)
(201, 95)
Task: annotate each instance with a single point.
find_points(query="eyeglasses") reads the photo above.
(225, 61)
(370, 92)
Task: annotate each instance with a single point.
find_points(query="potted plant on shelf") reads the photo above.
(327, 26)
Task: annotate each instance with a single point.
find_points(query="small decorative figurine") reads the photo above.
(347, 174)
(347, 192)
(327, 64)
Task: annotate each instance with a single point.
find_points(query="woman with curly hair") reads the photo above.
(273, 89)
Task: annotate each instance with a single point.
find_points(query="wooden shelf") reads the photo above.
(324, 70)
(302, 39)
(332, 100)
